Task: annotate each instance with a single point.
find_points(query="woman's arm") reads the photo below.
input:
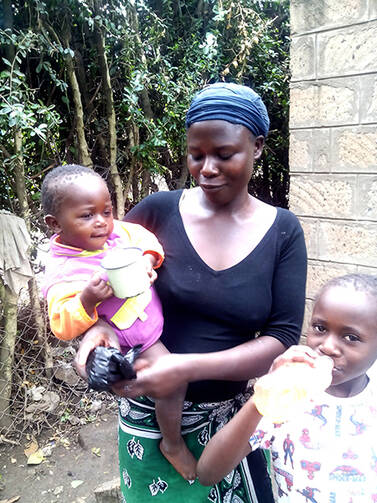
(161, 378)
(229, 446)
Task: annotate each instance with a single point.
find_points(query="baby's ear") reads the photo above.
(52, 222)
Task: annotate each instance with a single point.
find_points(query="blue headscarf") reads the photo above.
(230, 102)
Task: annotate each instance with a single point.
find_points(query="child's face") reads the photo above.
(344, 327)
(85, 218)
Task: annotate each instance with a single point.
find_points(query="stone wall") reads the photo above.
(333, 141)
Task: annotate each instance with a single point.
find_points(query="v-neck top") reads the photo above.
(207, 310)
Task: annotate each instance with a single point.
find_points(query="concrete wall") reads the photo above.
(333, 135)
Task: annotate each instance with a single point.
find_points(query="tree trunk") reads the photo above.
(144, 95)
(9, 301)
(19, 173)
(84, 156)
(111, 119)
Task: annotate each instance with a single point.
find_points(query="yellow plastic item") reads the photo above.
(282, 393)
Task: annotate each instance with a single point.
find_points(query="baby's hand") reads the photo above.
(95, 291)
(149, 261)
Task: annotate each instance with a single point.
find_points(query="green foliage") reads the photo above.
(159, 54)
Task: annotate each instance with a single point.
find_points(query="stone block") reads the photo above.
(368, 98)
(320, 273)
(311, 15)
(303, 106)
(338, 102)
(367, 270)
(323, 195)
(307, 317)
(334, 102)
(355, 149)
(366, 199)
(310, 228)
(321, 151)
(302, 60)
(372, 9)
(300, 154)
(347, 51)
(109, 492)
(348, 242)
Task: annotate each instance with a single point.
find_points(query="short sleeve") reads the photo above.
(289, 281)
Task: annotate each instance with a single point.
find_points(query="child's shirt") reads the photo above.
(326, 454)
(67, 272)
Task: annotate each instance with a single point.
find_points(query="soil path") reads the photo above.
(94, 460)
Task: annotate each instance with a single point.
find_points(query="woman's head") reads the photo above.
(77, 206)
(344, 327)
(232, 103)
(226, 126)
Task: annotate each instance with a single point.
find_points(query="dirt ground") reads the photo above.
(72, 471)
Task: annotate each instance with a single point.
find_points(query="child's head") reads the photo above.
(344, 327)
(77, 206)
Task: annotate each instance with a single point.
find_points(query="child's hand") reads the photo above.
(297, 353)
(150, 261)
(95, 291)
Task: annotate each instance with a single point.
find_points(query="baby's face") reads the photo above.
(344, 327)
(85, 218)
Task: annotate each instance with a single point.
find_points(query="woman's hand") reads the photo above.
(157, 379)
(100, 334)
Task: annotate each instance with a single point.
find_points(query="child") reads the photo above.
(328, 452)
(78, 209)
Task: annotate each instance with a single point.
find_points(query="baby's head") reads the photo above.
(77, 206)
(344, 327)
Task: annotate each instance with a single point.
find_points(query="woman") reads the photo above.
(232, 288)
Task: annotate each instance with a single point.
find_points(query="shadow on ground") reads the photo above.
(70, 474)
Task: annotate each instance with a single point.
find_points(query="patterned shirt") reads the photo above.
(326, 454)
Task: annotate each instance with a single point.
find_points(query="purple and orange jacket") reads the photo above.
(137, 320)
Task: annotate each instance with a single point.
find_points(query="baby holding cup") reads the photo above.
(88, 248)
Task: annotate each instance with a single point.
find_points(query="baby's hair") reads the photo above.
(55, 183)
(366, 283)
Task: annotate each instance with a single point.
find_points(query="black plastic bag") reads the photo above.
(106, 366)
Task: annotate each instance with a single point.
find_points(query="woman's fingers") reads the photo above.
(158, 379)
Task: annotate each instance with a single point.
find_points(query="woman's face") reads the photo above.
(220, 157)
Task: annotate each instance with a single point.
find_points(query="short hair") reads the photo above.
(55, 183)
(366, 283)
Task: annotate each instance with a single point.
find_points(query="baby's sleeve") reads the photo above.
(146, 240)
(68, 318)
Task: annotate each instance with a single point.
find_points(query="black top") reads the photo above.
(207, 310)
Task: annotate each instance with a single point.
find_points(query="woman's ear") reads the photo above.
(53, 224)
(258, 146)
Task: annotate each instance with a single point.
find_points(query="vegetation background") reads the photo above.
(106, 83)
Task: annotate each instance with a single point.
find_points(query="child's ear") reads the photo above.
(52, 222)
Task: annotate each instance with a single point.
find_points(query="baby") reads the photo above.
(78, 209)
(327, 452)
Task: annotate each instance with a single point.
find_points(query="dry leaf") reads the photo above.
(96, 451)
(76, 483)
(36, 458)
(31, 448)
(11, 500)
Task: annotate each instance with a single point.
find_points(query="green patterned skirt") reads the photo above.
(147, 476)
